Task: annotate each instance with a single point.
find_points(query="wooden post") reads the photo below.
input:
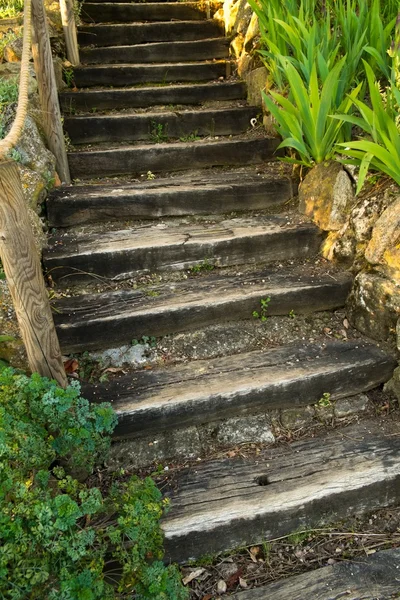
(23, 272)
(69, 26)
(44, 69)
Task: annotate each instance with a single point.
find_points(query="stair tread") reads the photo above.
(177, 306)
(219, 504)
(207, 390)
(120, 12)
(368, 577)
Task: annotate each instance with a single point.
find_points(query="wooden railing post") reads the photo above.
(69, 26)
(25, 279)
(44, 70)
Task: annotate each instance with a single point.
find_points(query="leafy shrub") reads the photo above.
(381, 150)
(60, 538)
(11, 8)
(304, 119)
(8, 95)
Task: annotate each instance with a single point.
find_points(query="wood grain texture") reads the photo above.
(115, 12)
(220, 504)
(25, 280)
(208, 390)
(70, 33)
(121, 254)
(43, 63)
(82, 320)
(364, 578)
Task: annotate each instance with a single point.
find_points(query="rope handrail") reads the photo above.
(14, 134)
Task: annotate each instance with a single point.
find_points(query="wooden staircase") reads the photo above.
(176, 177)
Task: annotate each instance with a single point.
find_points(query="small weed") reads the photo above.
(292, 314)
(11, 8)
(152, 293)
(202, 267)
(325, 400)
(145, 340)
(69, 77)
(298, 537)
(93, 109)
(267, 547)
(15, 155)
(150, 175)
(158, 132)
(2, 274)
(262, 313)
(191, 137)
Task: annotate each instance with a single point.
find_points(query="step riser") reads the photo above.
(117, 75)
(89, 335)
(358, 476)
(160, 53)
(125, 264)
(126, 13)
(144, 97)
(66, 210)
(170, 157)
(142, 33)
(87, 130)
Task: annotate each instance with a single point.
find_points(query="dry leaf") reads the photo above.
(346, 323)
(243, 583)
(254, 552)
(193, 575)
(71, 365)
(221, 586)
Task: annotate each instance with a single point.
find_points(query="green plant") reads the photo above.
(2, 274)
(292, 314)
(201, 267)
(262, 313)
(15, 155)
(6, 39)
(11, 8)
(68, 74)
(381, 152)
(150, 341)
(150, 175)
(325, 400)
(60, 538)
(191, 137)
(158, 132)
(304, 120)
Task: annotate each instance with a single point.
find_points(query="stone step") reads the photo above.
(125, 74)
(158, 52)
(142, 97)
(177, 156)
(203, 391)
(367, 577)
(120, 12)
(149, 248)
(193, 195)
(228, 503)
(198, 302)
(159, 126)
(141, 33)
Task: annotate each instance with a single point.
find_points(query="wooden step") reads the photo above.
(140, 33)
(116, 75)
(159, 126)
(120, 12)
(142, 97)
(204, 391)
(149, 248)
(158, 52)
(368, 577)
(164, 309)
(236, 502)
(193, 195)
(178, 156)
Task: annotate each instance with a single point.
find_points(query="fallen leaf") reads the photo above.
(231, 453)
(221, 587)
(243, 583)
(346, 323)
(254, 552)
(207, 597)
(234, 578)
(114, 370)
(71, 365)
(193, 575)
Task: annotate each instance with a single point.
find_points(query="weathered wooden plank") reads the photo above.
(199, 93)
(365, 577)
(44, 69)
(141, 33)
(23, 270)
(178, 156)
(193, 195)
(220, 505)
(117, 75)
(122, 254)
(158, 52)
(152, 126)
(204, 391)
(119, 12)
(127, 315)
(69, 28)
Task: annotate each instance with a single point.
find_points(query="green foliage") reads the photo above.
(8, 95)
(304, 119)
(6, 39)
(149, 340)
(158, 132)
(325, 400)
(59, 538)
(202, 267)
(11, 8)
(381, 150)
(262, 313)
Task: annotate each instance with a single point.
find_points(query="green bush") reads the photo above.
(59, 538)
(11, 8)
